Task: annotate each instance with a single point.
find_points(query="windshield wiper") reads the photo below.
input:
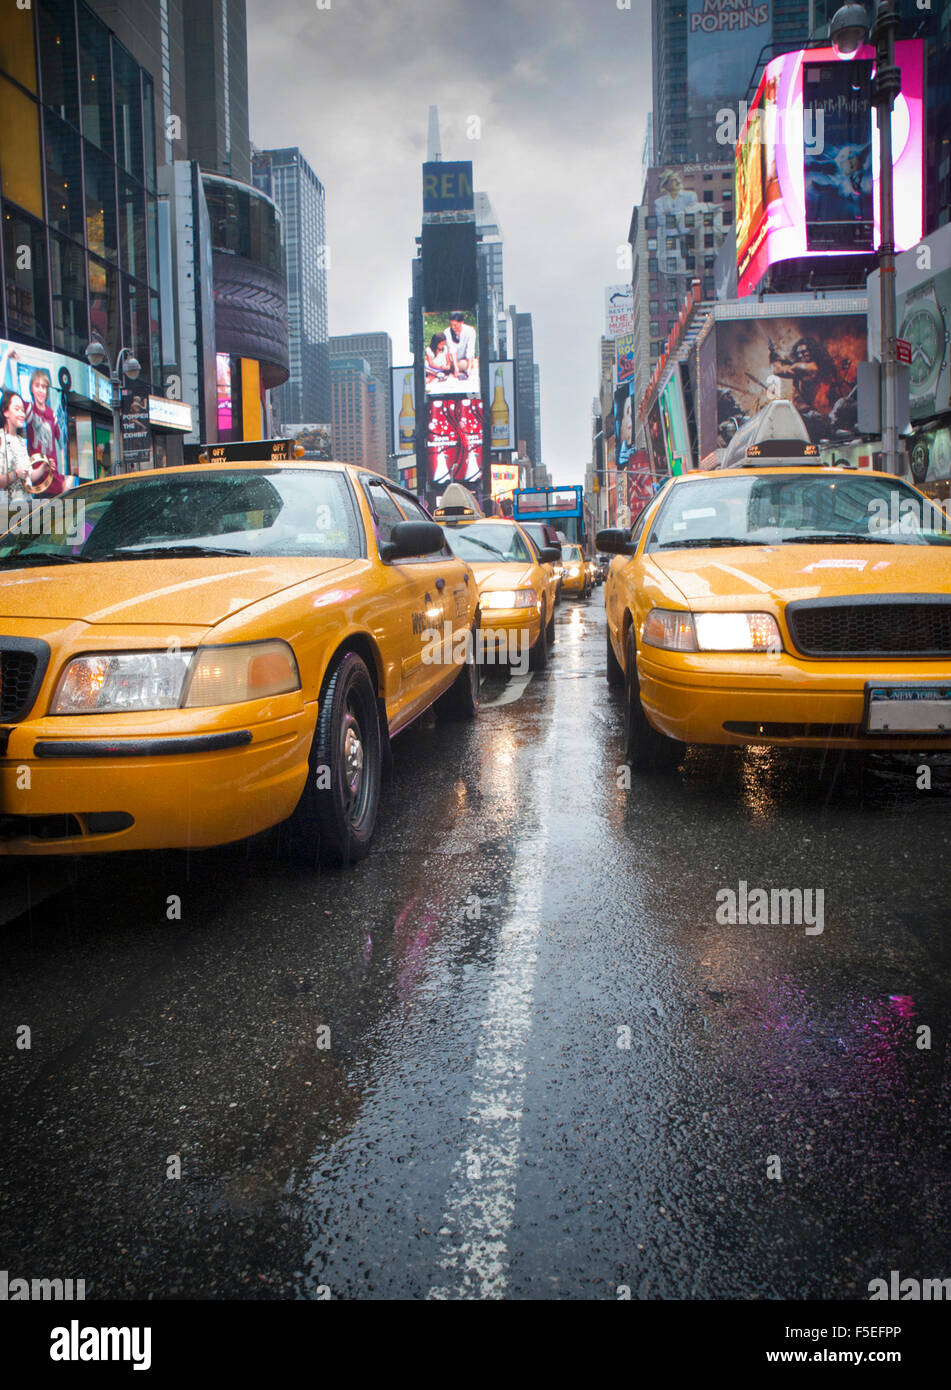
(134, 552)
(705, 542)
(35, 557)
(483, 545)
(837, 538)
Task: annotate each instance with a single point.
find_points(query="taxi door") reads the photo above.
(430, 589)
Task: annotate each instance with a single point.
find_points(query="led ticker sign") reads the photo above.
(782, 138)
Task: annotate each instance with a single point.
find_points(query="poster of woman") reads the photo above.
(22, 370)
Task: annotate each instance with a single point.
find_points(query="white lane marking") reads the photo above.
(480, 1203)
(512, 692)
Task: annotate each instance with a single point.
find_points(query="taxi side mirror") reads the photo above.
(615, 542)
(550, 555)
(409, 539)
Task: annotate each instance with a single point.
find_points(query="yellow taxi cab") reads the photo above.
(575, 578)
(517, 586)
(782, 602)
(191, 655)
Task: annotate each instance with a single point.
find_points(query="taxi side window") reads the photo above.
(638, 530)
(386, 514)
(413, 510)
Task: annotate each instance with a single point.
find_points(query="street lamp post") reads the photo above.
(849, 30)
(126, 364)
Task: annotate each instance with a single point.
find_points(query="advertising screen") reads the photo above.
(655, 441)
(504, 478)
(225, 402)
(451, 350)
(809, 361)
(640, 481)
(837, 155)
(447, 189)
(624, 358)
(723, 42)
(794, 145)
(403, 397)
(924, 321)
(624, 418)
(33, 375)
(502, 406)
(317, 440)
(676, 434)
(454, 440)
(618, 310)
(707, 395)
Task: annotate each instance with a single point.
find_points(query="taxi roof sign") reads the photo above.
(253, 451)
(782, 451)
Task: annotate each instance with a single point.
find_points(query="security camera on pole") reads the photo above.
(127, 364)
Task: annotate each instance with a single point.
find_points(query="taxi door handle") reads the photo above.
(440, 584)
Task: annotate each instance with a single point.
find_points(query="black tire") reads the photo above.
(551, 628)
(333, 824)
(646, 748)
(461, 700)
(615, 672)
(538, 656)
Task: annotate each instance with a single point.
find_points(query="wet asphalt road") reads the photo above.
(478, 1122)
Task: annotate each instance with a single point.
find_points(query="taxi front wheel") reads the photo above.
(646, 748)
(334, 820)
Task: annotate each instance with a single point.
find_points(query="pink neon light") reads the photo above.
(785, 230)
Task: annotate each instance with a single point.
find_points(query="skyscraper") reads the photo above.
(702, 61)
(285, 176)
(526, 383)
(377, 350)
(356, 412)
(490, 239)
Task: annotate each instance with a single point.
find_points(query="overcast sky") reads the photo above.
(562, 90)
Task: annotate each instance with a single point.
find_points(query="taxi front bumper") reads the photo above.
(774, 698)
(127, 784)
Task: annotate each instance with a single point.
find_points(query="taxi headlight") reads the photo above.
(116, 682)
(669, 629)
(248, 671)
(737, 632)
(112, 682)
(509, 598)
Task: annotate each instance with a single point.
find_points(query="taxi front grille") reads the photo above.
(902, 625)
(22, 667)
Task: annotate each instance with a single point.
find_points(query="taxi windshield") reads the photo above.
(796, 508)
(488, 541)
(571, 554)
(268, 512)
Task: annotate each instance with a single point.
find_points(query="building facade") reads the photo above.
(79, 254)
(377, 351)
(357, 414)
(703, 60)
(285, 176)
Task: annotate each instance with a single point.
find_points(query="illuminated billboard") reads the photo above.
(454, 440)
(655, 441)
(447, 190)
(502, 406)
(403, 397)
(723, 43)
(811, 361)
(837, 155)
(676, 434)
(504, 479)
(451, 350)
(316, 440)
(794, 142)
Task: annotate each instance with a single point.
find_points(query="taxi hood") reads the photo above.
(803, 571)
(198, 591)
(512, 574)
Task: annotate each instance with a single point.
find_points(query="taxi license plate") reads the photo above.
(908, 709)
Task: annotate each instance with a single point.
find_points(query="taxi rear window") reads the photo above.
(272, 512)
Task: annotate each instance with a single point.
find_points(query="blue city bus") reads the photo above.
(561, 507)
